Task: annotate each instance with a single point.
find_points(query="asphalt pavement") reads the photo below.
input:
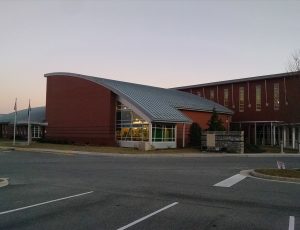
(58, 191)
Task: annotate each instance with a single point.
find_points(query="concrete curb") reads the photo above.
(3, 182)
(7, 148)
(150, 154)
(276, 178)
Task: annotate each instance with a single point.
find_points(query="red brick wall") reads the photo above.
(287, 113)
(79, 111)
(201, 118)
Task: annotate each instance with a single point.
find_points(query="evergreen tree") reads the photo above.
(215, 124)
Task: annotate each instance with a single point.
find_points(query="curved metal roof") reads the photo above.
(159, 104)
(37, 116)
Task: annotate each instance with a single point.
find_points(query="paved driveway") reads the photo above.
(52, 191)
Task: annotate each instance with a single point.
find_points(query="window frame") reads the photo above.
(241, 99)
(167, 131)
(226, 97)
(276, 96)
(129, 125)
(258, 97)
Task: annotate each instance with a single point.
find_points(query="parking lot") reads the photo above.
(55, 191)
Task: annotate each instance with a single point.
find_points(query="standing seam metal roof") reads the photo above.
(159, 104)
(242, 80)
(37, 116)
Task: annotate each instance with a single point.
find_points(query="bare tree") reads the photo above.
(294, 62)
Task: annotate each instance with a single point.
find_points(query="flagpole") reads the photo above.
(29, 126)
(15, 123)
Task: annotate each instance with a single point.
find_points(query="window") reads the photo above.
(163, 132)
(226, 97)
(241, 99)
(258, 98)
(4, 130)
(211, 94)
(129, 126)
(36, 131)
(276, 96)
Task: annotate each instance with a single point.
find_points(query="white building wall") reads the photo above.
(154, 145)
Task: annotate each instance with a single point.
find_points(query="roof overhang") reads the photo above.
(252, 122)
(242, 80)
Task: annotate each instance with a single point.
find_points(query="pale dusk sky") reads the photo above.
(160, 43)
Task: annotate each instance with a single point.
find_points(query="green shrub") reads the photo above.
(195, 135)
(250, 148)
(215, 124)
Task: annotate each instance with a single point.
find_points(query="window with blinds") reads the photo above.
(226, 97)
(258, 97)
(241, 99)
(276, 96)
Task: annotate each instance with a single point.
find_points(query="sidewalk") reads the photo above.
(148, 154)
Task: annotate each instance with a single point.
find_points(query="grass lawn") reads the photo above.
(267, 149)
(100, 149)
(275, 149)
(280, 172)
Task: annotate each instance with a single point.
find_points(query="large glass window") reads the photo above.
(276, 96)
(163, 132)
(129, 126)
(258, 98)
(242, 99)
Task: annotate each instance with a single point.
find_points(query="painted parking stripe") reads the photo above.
(148, 216)
(292, 223)
(231, 181)
(47, 202)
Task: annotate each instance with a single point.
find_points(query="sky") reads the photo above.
(162, 43)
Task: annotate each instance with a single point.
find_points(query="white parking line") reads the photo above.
(292, 223)
(148, 216)
(231, 181)
(47, 202)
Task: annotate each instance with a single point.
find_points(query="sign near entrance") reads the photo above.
(280, 165)
(211, 140)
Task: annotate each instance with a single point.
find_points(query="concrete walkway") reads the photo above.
(149, 154)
